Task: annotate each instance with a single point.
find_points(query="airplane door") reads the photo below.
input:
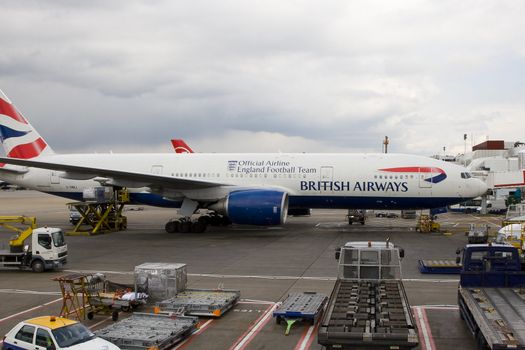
(327, 174)
(55, 179)
(423, 176)
(156, 169)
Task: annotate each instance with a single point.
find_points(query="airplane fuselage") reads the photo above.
(372, 181)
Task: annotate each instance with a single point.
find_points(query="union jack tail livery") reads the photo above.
(18, 138)
(181, 146)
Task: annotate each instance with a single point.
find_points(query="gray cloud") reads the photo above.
(334, 76)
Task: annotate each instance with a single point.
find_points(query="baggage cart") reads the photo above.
(439, 266)
(144, 331)
(300, 306)
(202, 302)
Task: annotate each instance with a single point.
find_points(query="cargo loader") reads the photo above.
(368, 307)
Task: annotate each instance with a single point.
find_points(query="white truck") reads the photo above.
(47, 251)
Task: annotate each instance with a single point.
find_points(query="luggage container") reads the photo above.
(160, 280)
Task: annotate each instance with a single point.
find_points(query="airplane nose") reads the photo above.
(482, 187)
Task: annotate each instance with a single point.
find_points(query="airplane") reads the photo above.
(180, 146)
(239, 188)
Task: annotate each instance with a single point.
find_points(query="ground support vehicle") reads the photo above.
(439, 266)
(356, 216)
(53, 333)
(305, 306)
(427, 224)
(84, 295)
(47, 249)
(202, 302)
(491, 297)
(478, 234)
(144, 331)
(368, 307)
(101, 212)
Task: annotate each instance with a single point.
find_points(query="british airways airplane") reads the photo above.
(241, 188)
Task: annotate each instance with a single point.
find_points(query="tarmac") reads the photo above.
(265, 264)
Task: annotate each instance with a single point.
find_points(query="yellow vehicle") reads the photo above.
(427, 224)
(56, 333)
(45, 249)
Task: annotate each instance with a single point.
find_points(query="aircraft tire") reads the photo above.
(198, 227)
(184, 226)
(171, 227)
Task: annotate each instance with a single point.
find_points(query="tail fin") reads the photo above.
(18, 138)
(181, 146)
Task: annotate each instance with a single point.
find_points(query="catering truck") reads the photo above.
(368, 307)
(491, 297)
(39, 249)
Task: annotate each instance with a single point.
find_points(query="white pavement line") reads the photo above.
(430, 280)
(256, 302)
(29, 310)
(24, 291)
(98, 271)
(439, 307)
(425, 330)
(99, 323)
(247, 338)
(220, 276)
(303, 343)
(190, 338)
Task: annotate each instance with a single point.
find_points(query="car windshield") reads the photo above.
(72, 334)
(58, 239)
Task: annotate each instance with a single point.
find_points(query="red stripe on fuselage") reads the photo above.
(414, 169)
(28, 150)
(8, 109)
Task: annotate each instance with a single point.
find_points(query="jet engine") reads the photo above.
(254, 207)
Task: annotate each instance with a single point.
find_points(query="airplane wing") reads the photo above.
(117, 177)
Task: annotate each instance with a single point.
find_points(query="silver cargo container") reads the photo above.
(160, 280)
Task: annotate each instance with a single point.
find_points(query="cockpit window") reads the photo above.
(466, 175)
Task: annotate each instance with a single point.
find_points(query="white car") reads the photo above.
(53, 333)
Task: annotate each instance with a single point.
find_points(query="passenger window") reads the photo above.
(26, 334)
(43, 338)
(44, 240)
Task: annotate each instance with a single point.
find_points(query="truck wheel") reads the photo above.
(37, 266)
(90, 315)
(482, 344)
(349, 222)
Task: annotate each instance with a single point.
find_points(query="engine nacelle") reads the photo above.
(254, 207)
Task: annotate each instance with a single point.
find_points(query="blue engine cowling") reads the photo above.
(257, 207)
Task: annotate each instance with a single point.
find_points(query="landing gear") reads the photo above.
(185, 225)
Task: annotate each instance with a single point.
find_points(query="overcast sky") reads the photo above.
(266, 76)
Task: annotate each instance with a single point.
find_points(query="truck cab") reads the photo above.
(48, 249)
(491, 265)
(37, 248)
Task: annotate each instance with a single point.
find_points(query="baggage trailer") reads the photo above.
(368, 307)
(300, 306)
(439, 266)
(144, 331)
(202, 302)
(491, 297)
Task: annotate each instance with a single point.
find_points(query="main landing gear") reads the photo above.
(186, 225)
